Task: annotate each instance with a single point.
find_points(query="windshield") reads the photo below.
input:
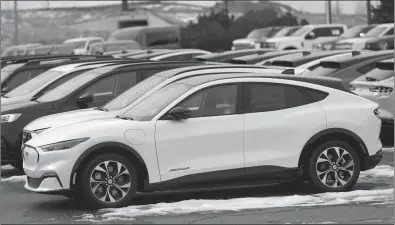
(300, 32)
(256, 34)
(376, 74)
(153, 104)
(134, 93)
(355, 31)
(7, 70)
(375, 32)
(34, 83)
(76, 44)
(68, 87)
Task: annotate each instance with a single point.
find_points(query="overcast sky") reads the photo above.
(309, 6)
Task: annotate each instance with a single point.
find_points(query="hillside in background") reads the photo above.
(56, 25)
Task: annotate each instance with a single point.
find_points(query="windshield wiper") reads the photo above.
(124, 118)
(102, 109)
(370, 79)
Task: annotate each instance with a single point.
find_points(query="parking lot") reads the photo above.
(371, 201)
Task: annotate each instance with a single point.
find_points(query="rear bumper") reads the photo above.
(372, 160)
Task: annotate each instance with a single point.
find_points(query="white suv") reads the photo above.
(306, 37)
(208, 130)
(129, 98)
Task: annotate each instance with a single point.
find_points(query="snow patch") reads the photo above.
(238, 204)
(380, 172)
(14, 179)
(388, 149)
(7, 167)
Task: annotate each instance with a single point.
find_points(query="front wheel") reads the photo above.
(107, 181)
(333, 167)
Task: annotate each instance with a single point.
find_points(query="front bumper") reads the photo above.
(372, 160)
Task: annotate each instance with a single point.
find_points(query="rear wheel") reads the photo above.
(108, 181)
(334, 166)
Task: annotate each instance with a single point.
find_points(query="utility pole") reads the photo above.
(16, 35)
(328, 11)
(369, 11)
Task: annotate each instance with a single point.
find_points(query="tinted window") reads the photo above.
(103, 87)
(126, 81)
(155, 38)
(328, 31)
(147, 73)
(270, 97)
(366, 68)
(323, 71)
(61, 81)
(390, 32)
(215, 101)
(22, 77)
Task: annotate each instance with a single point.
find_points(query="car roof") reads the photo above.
(82, 39)
(360, 57)
(299, 58)
(256, 58)
(176, 71)
(216, 55)
(323, 25)
(327, 82)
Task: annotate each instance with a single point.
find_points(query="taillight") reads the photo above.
(381, 91)
(377, 113)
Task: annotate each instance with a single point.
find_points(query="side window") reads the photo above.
(322, 32)
(161, 38)
(17, 79)
(271, 97)
(105, 87)
(34, 73)
(147, 73)
(390, 32)
(336, 31)
(366, 68)
(126, 81)
(214, 101)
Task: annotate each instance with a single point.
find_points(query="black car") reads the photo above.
(380, 43)
(349, 68)
(353, 32)
(227, 56)
(52, 78)
(28, 70)
(260, 57)
(91, 89)
(296, 59)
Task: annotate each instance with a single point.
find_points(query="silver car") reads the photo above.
(378, 85)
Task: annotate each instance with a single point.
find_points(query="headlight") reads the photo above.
(63, 145)
(8, 118)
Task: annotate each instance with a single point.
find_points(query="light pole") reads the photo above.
(369, 12)
(16, 35)
(328, 11)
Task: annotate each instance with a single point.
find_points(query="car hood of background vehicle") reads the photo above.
(25, 107)
(246, 41)
(62, 119)
(355, 40)
(110, 128)
(282, 39)
(15, 100)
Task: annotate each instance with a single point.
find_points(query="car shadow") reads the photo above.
(205, 194)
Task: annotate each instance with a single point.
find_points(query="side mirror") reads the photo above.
(179, 113)
(84, 99)
(310, 36)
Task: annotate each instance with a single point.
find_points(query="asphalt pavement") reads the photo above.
(21, 206)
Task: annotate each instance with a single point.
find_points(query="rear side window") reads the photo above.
(328, 31)
(147, 73)
(22, 77)
(366, 68)
(390, 32)
(126, 81)
(272, 97)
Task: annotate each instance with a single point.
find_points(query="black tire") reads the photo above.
(84, 193)
(313, 177)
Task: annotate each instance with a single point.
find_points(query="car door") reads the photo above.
(322, 34)
(278, 121)
(211, 140)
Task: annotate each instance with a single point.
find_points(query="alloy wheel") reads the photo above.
(335, 167)
(110, 181)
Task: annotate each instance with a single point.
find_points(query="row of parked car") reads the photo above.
(100, 128)
(320, 37)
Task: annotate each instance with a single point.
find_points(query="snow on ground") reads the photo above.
(14, 179)
(377, 197)
(7, 167)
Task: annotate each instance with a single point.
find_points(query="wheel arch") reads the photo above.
(334, 134)
(112, 147)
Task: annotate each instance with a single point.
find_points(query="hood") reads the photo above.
(25, 107)
(61, 119)
(245, 41)
(355, 40)
(19, 99)
(283, 39)
(104, 129)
